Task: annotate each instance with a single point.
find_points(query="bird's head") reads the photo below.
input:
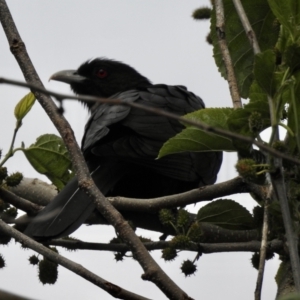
(102, 77)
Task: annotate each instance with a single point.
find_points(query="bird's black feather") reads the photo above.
(121, 144)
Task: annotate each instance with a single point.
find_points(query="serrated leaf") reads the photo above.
(48, 156)
(288, 14)
(256, 93)
(24, 106)
(266, 29)
(238, 121)
(264, 69)
(196, 140)
(227, 214)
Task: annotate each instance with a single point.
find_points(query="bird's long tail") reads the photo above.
(72, 206)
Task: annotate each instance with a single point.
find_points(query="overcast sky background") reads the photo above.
(163, 42)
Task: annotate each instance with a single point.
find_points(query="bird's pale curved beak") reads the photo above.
(67, 76)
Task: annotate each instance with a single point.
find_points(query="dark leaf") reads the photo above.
(266, 29)
(227, 214)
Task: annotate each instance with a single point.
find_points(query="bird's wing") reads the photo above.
(103, 116)
(143, 133)
(175, 99)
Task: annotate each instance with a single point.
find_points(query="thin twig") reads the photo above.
(263, 247)
(247, 27)
(256, 49)
(107, 286)
(198, 124)
(231, 78)
(206, 248)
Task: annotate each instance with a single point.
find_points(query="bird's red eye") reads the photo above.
(101, 73)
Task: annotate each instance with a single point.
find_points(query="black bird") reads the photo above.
(121, 144)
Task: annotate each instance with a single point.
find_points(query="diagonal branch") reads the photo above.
(247, 26)
(231, 78)
(263, 247)
(197, 124)
(107, 286)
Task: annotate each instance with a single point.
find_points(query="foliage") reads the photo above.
(49, 156)
(227, 214)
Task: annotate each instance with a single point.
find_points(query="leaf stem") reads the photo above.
(292, 89)
(11, 152)
(287, 128)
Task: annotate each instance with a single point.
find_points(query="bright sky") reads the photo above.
(163, 42)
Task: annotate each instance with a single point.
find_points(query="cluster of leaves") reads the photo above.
(13, 179)
(224, 213)
(48, 155)
(270, 80)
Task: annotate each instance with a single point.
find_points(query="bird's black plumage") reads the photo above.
(121, 143)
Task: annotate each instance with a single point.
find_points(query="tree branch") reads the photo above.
(205, 193)
(147, 208)
(107, 286)
(35, 190)
(220, 28)
(197, 124)
(209, 192)
(246, 24)
(263, 247)
(206, 248)
(18, 202)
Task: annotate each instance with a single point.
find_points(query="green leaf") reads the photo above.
(256, 93)
(291, 57)
(288, 14)
(264, 69)
(227, 214)
(48, 156)
(195, 139)
(292, 296)
(24, 106)
(266, 29)
(238, 121)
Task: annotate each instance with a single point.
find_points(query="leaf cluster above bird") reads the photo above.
(121, 144)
